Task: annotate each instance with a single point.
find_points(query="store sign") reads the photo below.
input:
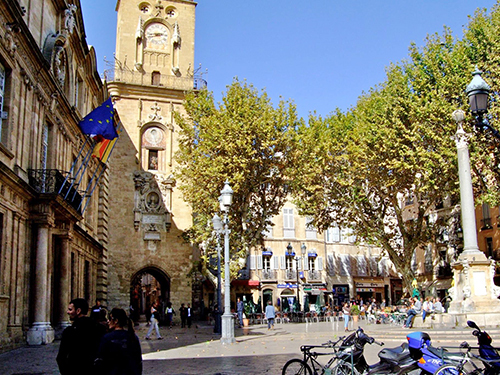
(369, 285)
(365, 289)
(288, 285)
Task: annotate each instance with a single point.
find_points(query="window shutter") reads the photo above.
(336, 234)
(276, 262)
(294, 265)
(331, 265)
(305, 262)
(252, 262)
(319, 264)
(259, 262)
(282, 262)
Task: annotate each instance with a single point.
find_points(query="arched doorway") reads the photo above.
(147, 286)
(267, 295)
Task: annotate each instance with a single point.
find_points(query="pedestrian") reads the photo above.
(239, 309)
(120, 350)
(346, 311)
(95, 311)
(154, 322)
(79, 341)
(427, 308)
(270, 315)
(438, 307)
(414, 310)
(170, 314)
(183, 313)
(189, 316)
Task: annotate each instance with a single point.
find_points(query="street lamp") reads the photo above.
(225, 200)
(478, 92)
(289, 249)
(217, 224)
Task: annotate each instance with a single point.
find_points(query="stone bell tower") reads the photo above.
(153, 70)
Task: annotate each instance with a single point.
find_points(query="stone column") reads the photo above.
(64, 285)
(41, 331)
(474, 291)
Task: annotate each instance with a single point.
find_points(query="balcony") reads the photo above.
(486, 223)
(164, 81)
(268, 275)
(291, 275)
(50, 181)
(244, 274)
(313, 276)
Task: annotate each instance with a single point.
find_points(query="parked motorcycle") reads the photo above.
(392, 361)
(429, 358)
(486, 351)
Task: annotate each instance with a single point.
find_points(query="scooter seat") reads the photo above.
(443, 353)
(394, 354)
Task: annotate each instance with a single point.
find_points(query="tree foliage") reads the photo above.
(246, 141)
(397, 143)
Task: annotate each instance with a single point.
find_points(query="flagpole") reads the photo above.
(93, 188)
(73, 166)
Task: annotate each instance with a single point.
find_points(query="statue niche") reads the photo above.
(151, 212)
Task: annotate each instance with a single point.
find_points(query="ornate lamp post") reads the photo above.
(474, 290)
(217, 224)
(289, 248)
(226, 199)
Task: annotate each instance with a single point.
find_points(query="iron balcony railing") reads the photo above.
(268, 275)
(167, 81)
(290, 275)
(244, 274)
(52, 181)
(314, 275)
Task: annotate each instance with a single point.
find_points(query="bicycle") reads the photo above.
(301, 367)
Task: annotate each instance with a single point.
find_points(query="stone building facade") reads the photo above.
(154, 69)
(51, 248)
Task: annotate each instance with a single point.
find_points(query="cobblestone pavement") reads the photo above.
(256, 350)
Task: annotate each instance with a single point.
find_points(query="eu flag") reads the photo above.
(100, 121)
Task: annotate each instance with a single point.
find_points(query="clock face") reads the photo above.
(157, 36)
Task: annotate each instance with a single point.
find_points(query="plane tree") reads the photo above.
(247, 141)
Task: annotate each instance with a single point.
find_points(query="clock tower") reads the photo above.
(148, 260)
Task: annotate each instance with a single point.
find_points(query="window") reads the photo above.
(312, 263)
(333, 234)
(489, 246)
(310, 230)
(45, 146)
(290, 263)
(266, 262)
(288, 223)
(268, 232)
(153, 160)
(2, 101)
(86, 276)
(156, 78)
(486, 220)
(79, 94)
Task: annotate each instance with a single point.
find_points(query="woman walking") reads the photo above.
(154, 322)
(346, 310)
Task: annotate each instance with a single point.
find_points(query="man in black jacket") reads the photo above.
(79, 341)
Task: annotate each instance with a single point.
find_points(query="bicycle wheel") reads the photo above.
(296, 367)
(345, 368)
(450, 370)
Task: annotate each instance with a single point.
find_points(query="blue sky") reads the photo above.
(321, 54)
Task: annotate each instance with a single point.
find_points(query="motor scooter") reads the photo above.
(486, 351)
(392, 360)
(429, 358)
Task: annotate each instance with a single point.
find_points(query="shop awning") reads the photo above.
(250, 283)
(267, 252)
(312, 254)
(292, 254)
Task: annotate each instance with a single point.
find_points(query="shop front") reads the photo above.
(314, 296)
(368, 288)
(340, 294)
